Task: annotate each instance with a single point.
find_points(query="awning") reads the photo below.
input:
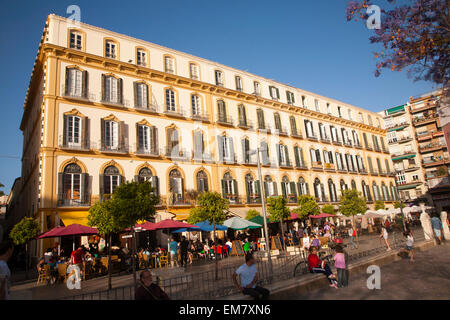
(404, 157)
(71, 217)
(395, 109)
(408, 186)
(396, 128)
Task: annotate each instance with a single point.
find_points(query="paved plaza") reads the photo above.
(428, 277)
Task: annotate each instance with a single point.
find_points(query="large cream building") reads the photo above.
(103, 108)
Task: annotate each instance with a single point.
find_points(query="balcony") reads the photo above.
(264, 128)
(199, 116)
(329, 167)
(281, 131)
(362, 171)
(177, 200)
(420, 121)
(232, 198)
(348, 143)
(115, 102)
(337, 142)
(225, 120)
(285, 164)
(245, 124)
(433, 146)
(69, 200)
(176, 153)
(202, 157)
(325, 140)
(385, 150)
(82, 145)
(435, 161)
(154, 152)
(178, 113)
(301, 166)
(316, 165)
(292, 198)
(369, 146)
(402, 125)
(403, 153)
(342, 170)
(79, 96)
(358, 145)
(249, 161)
(439, 182)
(428, 105)
(121, 148)
(296, 134)
(311, 137)
(152, 108)
(254, 199)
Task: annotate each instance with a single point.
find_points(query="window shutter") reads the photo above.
(297, 158)
(223, 188)
(84, 188)
(270, 91)
(293, 189)
(122, 136)
(299, 188)
(155, 184)
(85, 133)
(103, 87)
(120, 91)
(136, 103)
(64, 142)
(275, 189)
(235, 187)
(279, 154)
(283, 189)
(66, 89)
(101, 183)
(220, 146)
(85, 84)
(258, 188)
(266, 189)
(136, 178)
(198, 145)
(244, 151)
(154, 139)
(278, 93)
(60, 187)
(231, 149)
(286, 152)
(318, 156)
(102, 129)
(247, 188)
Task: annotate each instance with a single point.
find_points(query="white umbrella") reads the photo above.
(237, 223)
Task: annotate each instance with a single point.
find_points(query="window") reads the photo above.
(339, 112)
(334, 134)
(199, 145)
(288, 189)
(111, 179)
(219, 78)
(176, 187)
(173, 147)
(328, 109)
(376, 191)
(277, 121)
(256, 88)
(369, 118)
(170, 100)
(319, 190)
(75, 80)
(145, 174)
(290, 97)
(110, 49)
(309, 129)
(332, 190)
(317, 105)
(112, 89)
(293, 126)
(169, 64)
(140, 95)
(226, 149)
(195, 104)
(274, 92)
(222, 111)
(72, 131)
(194, 71)
(75, 41)
(299, 160)
(147, 139)
(260, 116)
(253, 189)
(229, 188)
(345, 137)
(323, 132)
(71, 184)
(400, 177)
(202, 182)
(361, 117)
(270, 187)
(392, 136)
(111, 135)
(283, 155)
(141, 57)
(356, 138)
(302, 187)
(238, 83)
(350, 114)
(264, 148)
(242, 115)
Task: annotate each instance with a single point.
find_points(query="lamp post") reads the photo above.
(263, 203)
(400, 200)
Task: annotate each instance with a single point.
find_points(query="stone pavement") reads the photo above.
(428, 277)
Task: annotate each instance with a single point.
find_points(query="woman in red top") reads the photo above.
(315, 265)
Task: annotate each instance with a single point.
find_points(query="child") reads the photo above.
(409, 244)
(340, 264)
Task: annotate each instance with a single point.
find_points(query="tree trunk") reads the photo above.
(356, 232)
(216, 263)
(26, 261)
(282, 234)
(134, 257)
(109, 262)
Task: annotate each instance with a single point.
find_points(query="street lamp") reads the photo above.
(263, 203)
(400, 200)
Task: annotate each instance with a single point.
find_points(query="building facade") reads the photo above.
(103, 108)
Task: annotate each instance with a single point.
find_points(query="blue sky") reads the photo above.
(307, 44)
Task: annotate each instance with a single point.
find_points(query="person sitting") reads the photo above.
(315, 265)
(149, 290)
(315, 242)
(248, 274)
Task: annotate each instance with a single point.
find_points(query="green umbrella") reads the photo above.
(259, 220)
(237, 223)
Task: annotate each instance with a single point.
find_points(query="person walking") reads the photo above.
(409, 248)
(149, 290)
(248, 274)
(341, 267)
(184, 245)
(6, 251)
(351, 236)
(384, 235)
(437, 226)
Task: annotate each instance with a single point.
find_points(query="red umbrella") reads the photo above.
(51, 233)
(172, 224)
(293, 216)
(71, 230)
(146, 226)
(322, 215)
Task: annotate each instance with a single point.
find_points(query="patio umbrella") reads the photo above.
(204, 226)
(237, 223)
(70, 230)
(322, 215)
(146, 226)
(258, 220)
(169, 224)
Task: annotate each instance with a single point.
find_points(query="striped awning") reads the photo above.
(395, 109)
(404, 157)
(396, 128)
(408, 186)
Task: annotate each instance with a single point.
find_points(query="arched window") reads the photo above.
(202, 181)
(288, 189)
(221, 111)
(366, 191)
(293, 123)
(270, 187)
(343, 185)
(71, 184)
(376, 191)
(332, 190)
(253, 189)
(353, 185)
(260, 118)
(111, 179)
(319, 190)
(145, 174)
(176, 186)
(302, 187)
(229, 188)
(277, 120)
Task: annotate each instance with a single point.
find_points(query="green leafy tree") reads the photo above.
(398, 204)
(307, 206)
(278, 211)
(212, 208)
(352, 203)
(130, 203)
(24, 231)
(379, 204)
(251, 214)
(328, 208)
(1, 191)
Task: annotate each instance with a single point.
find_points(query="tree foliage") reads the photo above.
(277, 208)
(352, 203)
(1, 191)
(251, 214)
(307, 206)
(24, 231)
(413, 36)
(398, 204)
(211, 207)
(379, 204)
(328, 208)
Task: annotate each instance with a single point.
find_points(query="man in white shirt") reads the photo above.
(248, 275)
(6, 251)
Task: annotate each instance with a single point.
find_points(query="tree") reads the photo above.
(251, 214)
(213, 208)
(398, 204)
(352, 203)
(1, 191)
(414, 37)
(24, 231)
(130, 202)
(278, 211)
(328, 208)
(307, 206)
(379, 204)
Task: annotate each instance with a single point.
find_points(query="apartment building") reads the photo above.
(103, 108)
